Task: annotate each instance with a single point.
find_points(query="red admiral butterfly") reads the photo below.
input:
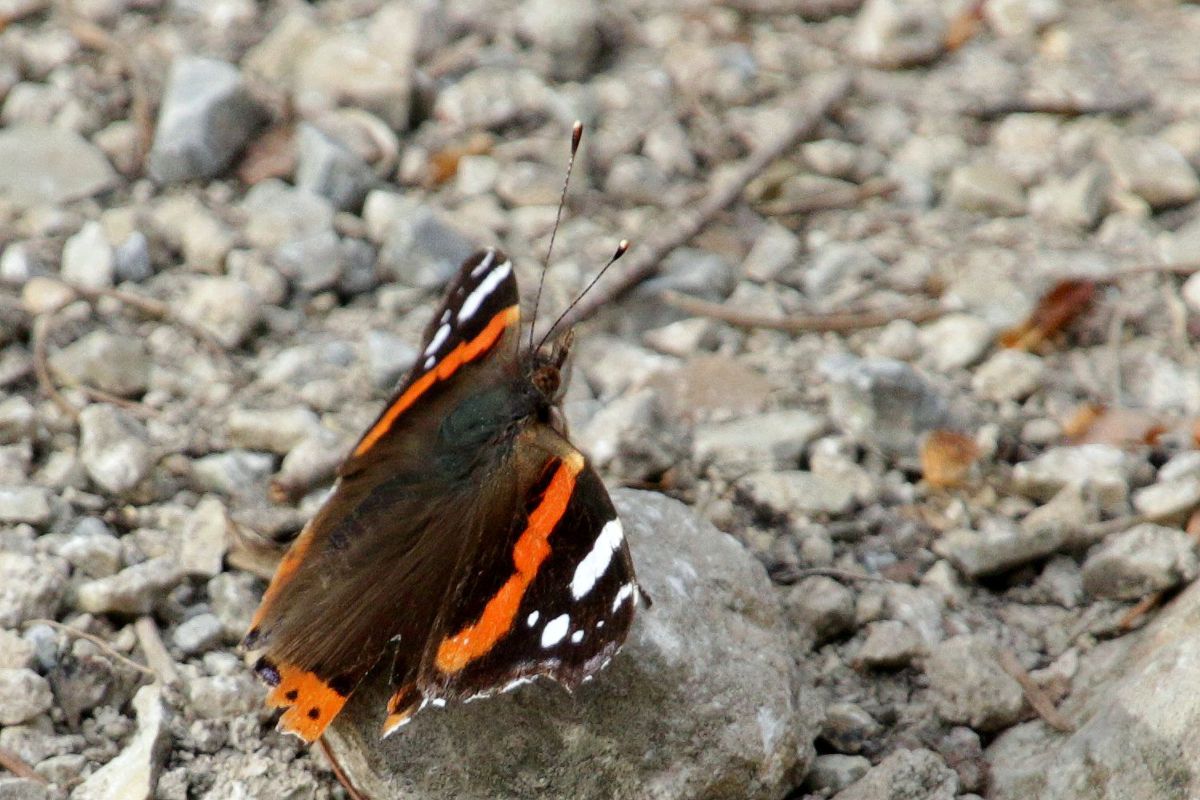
(467, 545)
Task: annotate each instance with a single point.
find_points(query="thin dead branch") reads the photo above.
(842, 322)
(17, 766)
(1037, 698)
(41, 366)
(104, 646)
(643, 262)
(1065, 107)
(845, 197)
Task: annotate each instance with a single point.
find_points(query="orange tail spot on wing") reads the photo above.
(310, 702)
(532, 548)
(401, 706)
(465, 353)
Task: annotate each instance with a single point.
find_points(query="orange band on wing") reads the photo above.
(463, 354)
(532, 548)
(284, 572)
(311, 703)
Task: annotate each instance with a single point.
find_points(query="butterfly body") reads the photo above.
(467, 546)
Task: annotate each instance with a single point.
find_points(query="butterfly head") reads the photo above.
(546, 368)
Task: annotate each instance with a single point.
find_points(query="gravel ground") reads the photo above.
(964, 506)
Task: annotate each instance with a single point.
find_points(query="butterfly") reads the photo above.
(467, 546)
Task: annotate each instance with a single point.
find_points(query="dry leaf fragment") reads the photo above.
(947, 458)
(1093, 423)
(443, 165)
(1057, 309)
(271, 155)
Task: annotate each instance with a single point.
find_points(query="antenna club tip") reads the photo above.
(622, 248)
(576, 135)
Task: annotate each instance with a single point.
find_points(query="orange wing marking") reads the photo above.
(465, 353)
(532, 548)
(284, 572)
(310, 702)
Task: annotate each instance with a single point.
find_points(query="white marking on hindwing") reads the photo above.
(577, 637)
(429, 362)
(486, 287)
(555, 630)
(485, 264)
(532, 619)
(595, 563)
(439, 338)
(623, 594)
(438, 702)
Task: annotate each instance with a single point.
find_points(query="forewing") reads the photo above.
(370, 572)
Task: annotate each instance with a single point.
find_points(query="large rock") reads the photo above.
(1136, 711)
(133, 774)
(699, 703)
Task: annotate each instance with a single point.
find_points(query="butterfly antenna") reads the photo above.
(576, 136)
(622, 249)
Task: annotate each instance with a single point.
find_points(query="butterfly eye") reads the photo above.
(547, 379)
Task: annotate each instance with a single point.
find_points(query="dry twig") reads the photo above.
(843, 197)
(793, 576)
(1065, 107)
(17, 766)
(842, 322)
(643, 263)
(1033, 693)
(41, 366)
(104, 646)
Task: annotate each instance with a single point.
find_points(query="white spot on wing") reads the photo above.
(555, 630)
(484, 265)
(438, 702)
(623, 594)
(596, 562)
(429, 362)
(475, 299)
(577, 637)
(532, 619)
(439, 338)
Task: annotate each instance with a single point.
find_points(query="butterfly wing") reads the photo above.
(375, 565)
(554, 597)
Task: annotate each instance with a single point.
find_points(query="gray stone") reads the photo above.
(986, 189)
(955, 341)
(131, 258)
(890, 644)
(664, 717)
(1144, 559)
(1000, 546)
(275, 58)
(1153, 170)
(1076, 202)
(1190, 292)
(969, 687)
(276, 431)
(234, 596)
(15, 652)
(113, 448)
(417, 246)
(88, 259)
(1027, 145)
(198, 634)
(326, 166)
(1098, 468)
(848, 728)
(375, 71)
(207, 116)
(1008, 375)
(775, 250)
(133, 590)
(1169, 500)
(224, 696)
(1022, 17)
(838, 263)
(389, 357)
(491, 96)
(23, 695)
(110, 362)
(797, 492)
(632, 436)
(906, 775)
(227, 308)
(821, 607)
(47, 165)
(204, 539)
(775, 436)
(1132, 704)
(92, 549)
(899, 33)
(1181, 465)
(234, 472)
(834, 772)
(134, 772)
(569, 35)
(29, 504)
(30, 587)
(23, 789)
(190, 227)
(882, 402)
